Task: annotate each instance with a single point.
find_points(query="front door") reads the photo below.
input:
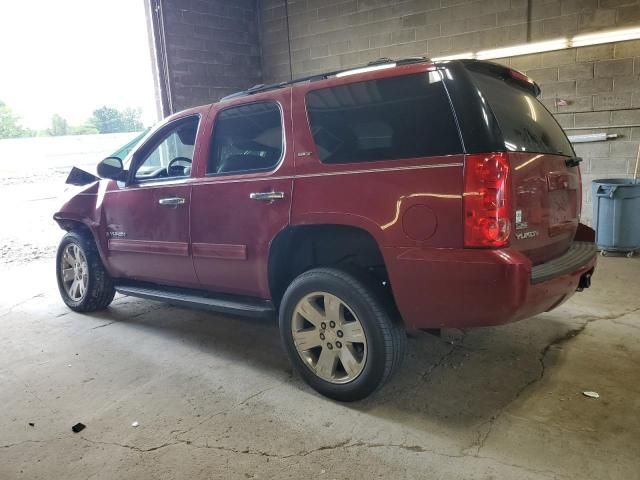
(243, 197)
(147, 219)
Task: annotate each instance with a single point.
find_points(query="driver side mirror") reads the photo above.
(111, 167)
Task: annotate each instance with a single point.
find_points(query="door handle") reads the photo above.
(266, 196)
(171, 201)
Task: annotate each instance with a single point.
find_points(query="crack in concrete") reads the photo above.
(104, 325)
(562, 339)
(12, 307)
(131, 447)
(16, 444)
(345, 444)
(454, 347)
(243, 402)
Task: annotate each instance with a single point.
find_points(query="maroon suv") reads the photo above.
(353, 205)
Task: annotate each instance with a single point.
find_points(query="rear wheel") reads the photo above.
(83, 282)
(339, 334)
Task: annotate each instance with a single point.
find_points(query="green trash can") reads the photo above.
(616, 215)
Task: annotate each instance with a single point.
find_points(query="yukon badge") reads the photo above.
(525, 235)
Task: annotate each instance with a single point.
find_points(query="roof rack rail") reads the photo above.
(321, 76)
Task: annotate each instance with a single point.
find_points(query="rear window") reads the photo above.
(526, 125)
(391, 118)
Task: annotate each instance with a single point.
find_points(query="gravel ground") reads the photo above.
(28, 231)
(31, 189)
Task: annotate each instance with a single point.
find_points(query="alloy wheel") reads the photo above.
(329, 337)
(74, 272)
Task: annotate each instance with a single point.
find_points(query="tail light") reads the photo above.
(487, 200)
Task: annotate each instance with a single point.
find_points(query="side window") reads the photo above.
(246, 138)
(172, 155)
(390, 118)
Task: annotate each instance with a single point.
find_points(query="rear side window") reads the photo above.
(526, 125)
(246, 138)
(390, 118)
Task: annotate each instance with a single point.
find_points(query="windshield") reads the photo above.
(124, 150)
(526, 125)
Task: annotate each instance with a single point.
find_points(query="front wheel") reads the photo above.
(83, 282)
(338, 333)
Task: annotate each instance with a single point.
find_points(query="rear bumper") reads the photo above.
(437, 288)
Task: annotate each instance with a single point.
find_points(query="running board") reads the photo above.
(184, 297)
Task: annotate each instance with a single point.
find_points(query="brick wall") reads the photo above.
(212, 49)
(601, 84)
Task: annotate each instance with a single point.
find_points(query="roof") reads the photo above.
(322, 76)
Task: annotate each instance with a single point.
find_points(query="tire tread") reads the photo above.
(100, 287)
(385, 315)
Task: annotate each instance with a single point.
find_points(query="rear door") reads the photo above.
(243, 196)
(546, 190)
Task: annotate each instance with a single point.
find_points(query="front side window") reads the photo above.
(391, 118)
(172, 155)
(246, 138)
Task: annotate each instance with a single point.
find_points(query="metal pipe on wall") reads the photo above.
(286, 16)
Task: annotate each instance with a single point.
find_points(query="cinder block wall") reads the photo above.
(212, 49)
(600, 84)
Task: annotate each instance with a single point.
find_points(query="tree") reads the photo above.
(59, 126)
(10, 124)
(107, 120)
(131, 120)
(111, 120)
(86, 129)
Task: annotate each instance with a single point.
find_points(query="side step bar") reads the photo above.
(221, 303)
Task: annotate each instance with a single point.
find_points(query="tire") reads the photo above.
(372, 353)
(93, 286)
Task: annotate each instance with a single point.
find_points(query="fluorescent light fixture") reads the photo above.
(605, 37)
(525, 48)
(372, 68)
(457, 56)
(592, 137)
(583, 40)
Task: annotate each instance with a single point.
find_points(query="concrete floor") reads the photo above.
(216, 398)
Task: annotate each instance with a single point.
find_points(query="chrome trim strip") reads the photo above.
(376, 170)
(196, 182)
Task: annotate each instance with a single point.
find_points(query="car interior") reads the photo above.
(172, 156)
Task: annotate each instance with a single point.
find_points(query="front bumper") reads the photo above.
(436, 288)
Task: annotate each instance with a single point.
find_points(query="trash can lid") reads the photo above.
(617, 181)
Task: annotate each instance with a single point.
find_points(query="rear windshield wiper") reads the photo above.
(573, 161)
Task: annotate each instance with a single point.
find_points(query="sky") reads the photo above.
(72, 56)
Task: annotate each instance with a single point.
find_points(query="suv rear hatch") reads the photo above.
(545, 178)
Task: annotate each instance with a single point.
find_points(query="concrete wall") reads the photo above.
(212, 49)
(601, 84)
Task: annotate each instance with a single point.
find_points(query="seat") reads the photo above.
(240, 163)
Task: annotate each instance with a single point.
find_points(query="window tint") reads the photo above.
(172, 156)
(391, 118)
(246, 138)
(526, 125)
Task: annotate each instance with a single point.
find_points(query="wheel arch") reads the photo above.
(85, 227)
(301, 247)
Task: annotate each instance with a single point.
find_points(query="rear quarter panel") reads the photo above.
(416, 203)
(408, 203)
